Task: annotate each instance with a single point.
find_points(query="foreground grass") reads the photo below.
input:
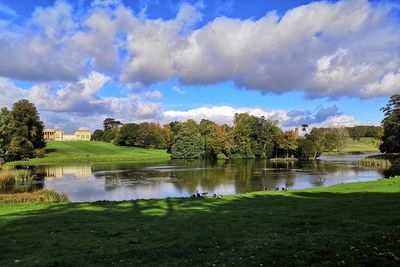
(349, 224)
(364, 145)
(81, 151)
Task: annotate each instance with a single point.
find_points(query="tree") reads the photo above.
(391, 126)
(342, 134)
(150, 135)
(306, 149)
(127, 134)
(265, 132)
(110, 123)
(244, 135)
(7, 127)
(27, 123)
(208, 131)
(317, 137)
(97, 135)
(287, 141)
(187, 142)
(110, 135)
(304, 128)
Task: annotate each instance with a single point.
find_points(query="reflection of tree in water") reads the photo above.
(208, 175)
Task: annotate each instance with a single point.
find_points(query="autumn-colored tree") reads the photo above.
(287, 141)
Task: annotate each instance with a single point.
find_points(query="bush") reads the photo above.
(40, 196)
(39, 153)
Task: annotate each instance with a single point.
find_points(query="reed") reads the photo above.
(374, 162)
(7, 182)
(40, 196)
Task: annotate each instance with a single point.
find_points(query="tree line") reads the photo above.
(249, 137)
(21, 132)
(21, 136)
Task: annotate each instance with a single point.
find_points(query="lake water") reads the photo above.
(181, 178)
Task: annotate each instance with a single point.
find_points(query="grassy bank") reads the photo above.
(364, 145)
(81, 151)
(348, 224)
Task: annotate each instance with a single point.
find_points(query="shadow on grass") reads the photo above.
(50, 150)
(295, 228)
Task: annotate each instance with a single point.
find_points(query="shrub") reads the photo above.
(39, 153)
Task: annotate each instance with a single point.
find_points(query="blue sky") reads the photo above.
(325, 63)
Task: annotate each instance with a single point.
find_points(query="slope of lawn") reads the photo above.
(364, 145)
(349, 224)
(81, 151)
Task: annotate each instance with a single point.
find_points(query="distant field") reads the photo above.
(81, 151)
(365, 145)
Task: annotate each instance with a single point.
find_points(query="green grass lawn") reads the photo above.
(350, 224)
(81, 151)
(364, 145)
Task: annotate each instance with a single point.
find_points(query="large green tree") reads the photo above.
(245, 137)
(7, 127)
(110, 123)
(27, 123)
(187, 142)
(127, 135)
(391, 126)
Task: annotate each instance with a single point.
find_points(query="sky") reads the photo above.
(322, 63)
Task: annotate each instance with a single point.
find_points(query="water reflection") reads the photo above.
(180, 178)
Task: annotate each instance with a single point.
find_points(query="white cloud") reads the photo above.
(329, 116)
(178, 90)
(324, 49)
(79, 104)
(157, 95)
(388, 85)
(341, 48)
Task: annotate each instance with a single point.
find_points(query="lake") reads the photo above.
(181, 178)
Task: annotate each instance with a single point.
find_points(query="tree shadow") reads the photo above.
(291, 228)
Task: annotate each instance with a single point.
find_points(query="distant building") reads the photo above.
(58, 135)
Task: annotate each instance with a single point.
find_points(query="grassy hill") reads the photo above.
(365, 145)
(81, 151)
(350, 224)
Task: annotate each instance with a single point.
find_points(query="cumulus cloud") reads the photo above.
(79, 104)
(322, 116)
(178, 90)
(40, 50)
(325, 49)
(157, 95)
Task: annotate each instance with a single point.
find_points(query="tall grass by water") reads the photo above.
(15, 188)
(382, 160)
(39, 196)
